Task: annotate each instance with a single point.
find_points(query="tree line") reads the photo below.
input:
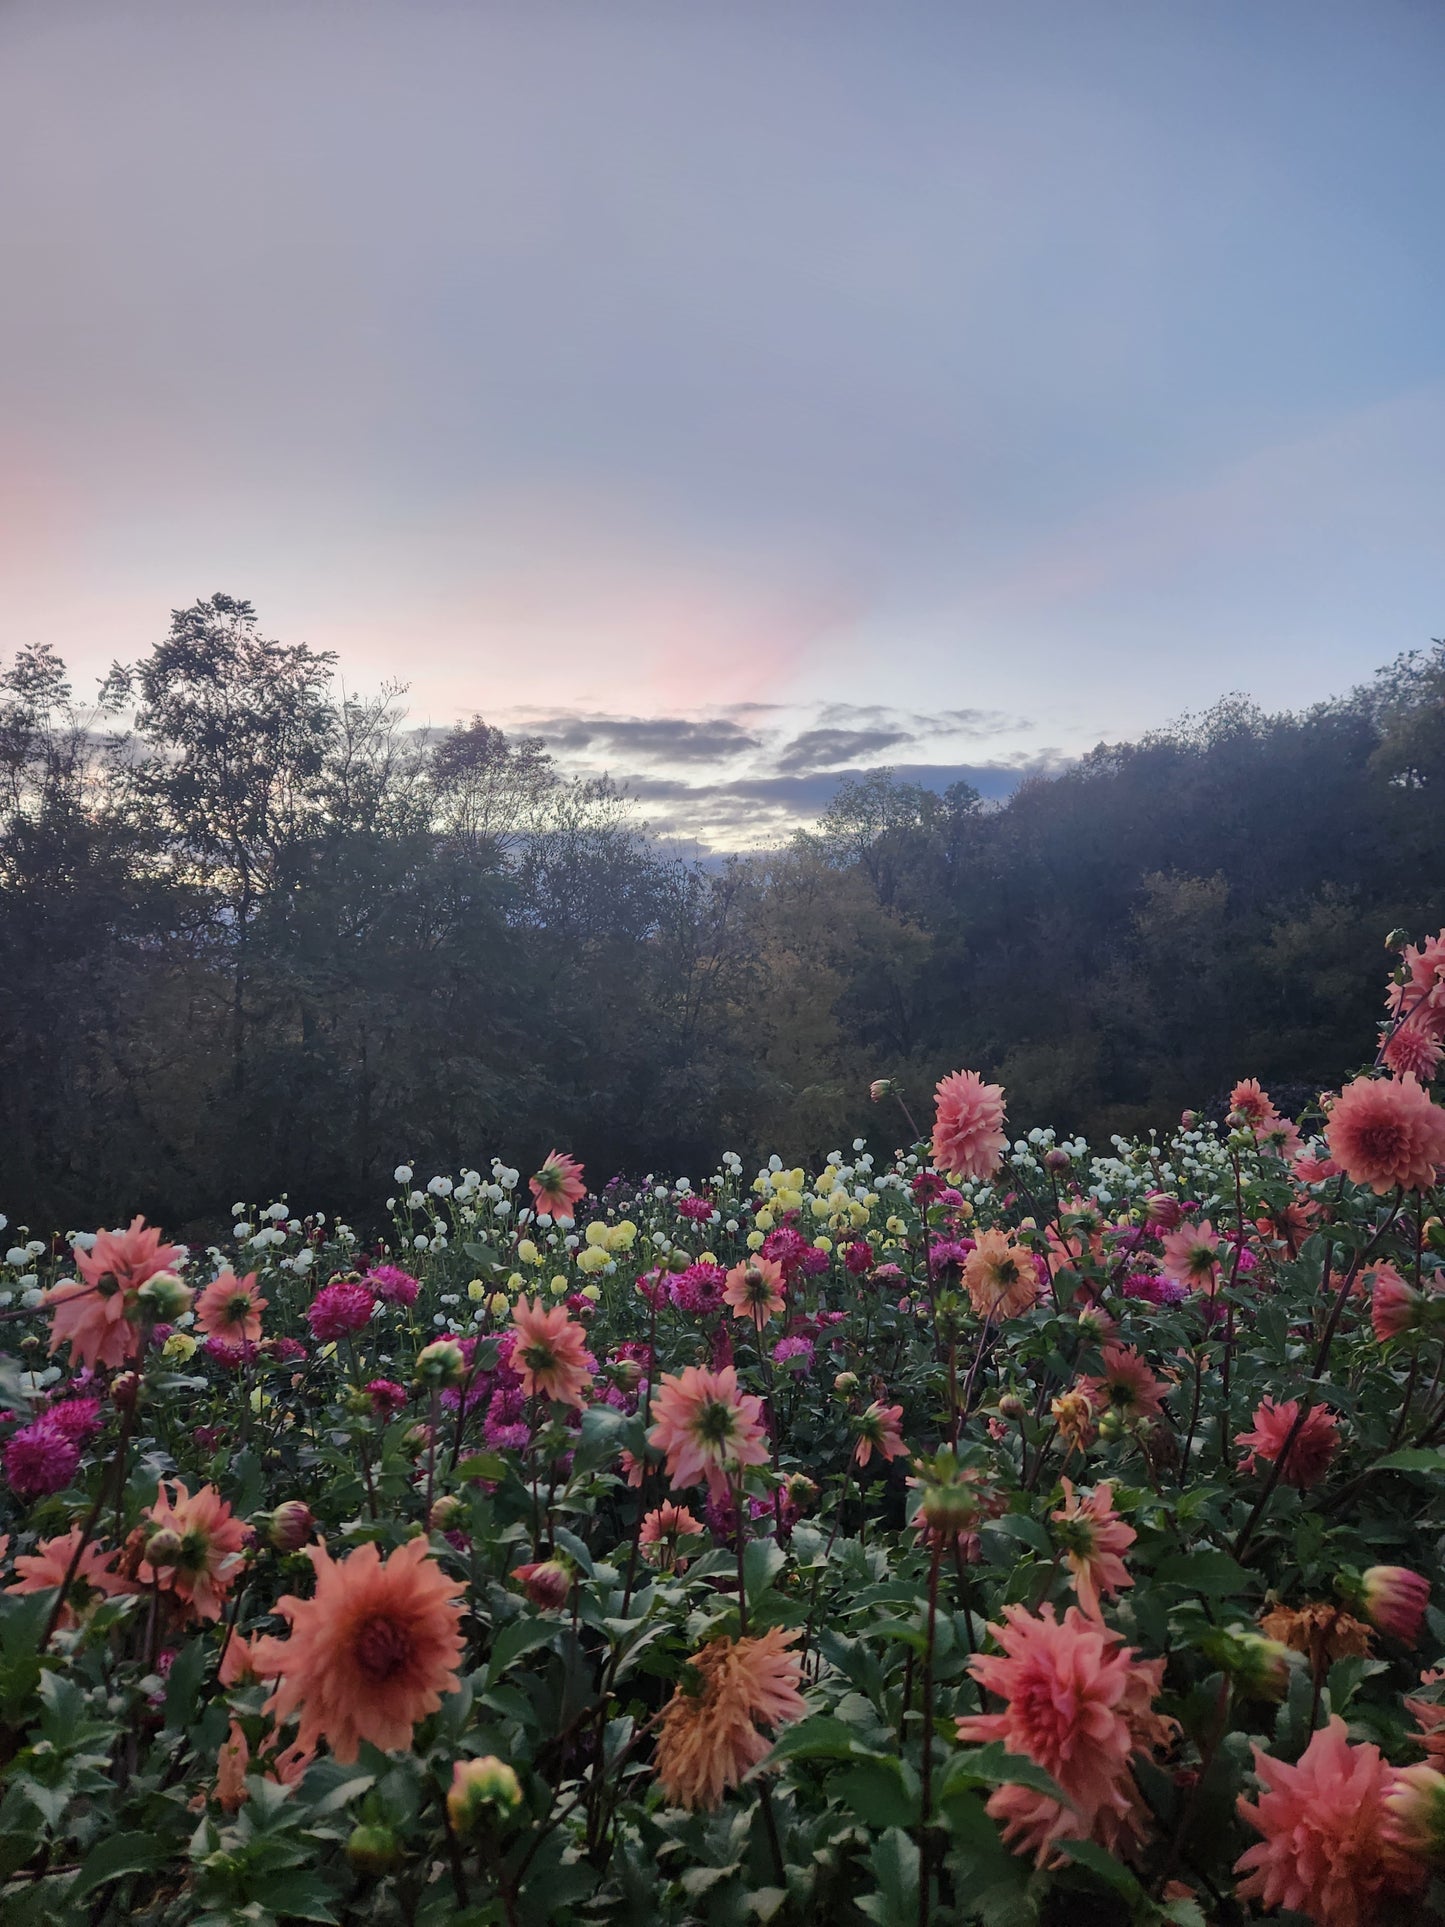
(258, 935)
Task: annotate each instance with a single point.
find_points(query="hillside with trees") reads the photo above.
(256, 933)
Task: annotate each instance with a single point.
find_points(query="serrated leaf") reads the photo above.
(1212, 1573)
(115, 1856)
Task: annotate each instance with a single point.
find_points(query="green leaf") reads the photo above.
(1105, 1866)
(296, 1895)
(1414, 1458)
(993, 1765)
(490, 1466)
(518, 1637)
(118, 1854)
(895, 1863)
(820, 1737)
(763, 1560)
(183, 1684)
(879, 1792)
(1212, 1573)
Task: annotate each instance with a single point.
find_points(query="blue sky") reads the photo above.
(992, 379)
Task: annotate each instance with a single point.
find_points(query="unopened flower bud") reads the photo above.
(1259, 1668)
(1056, 1160)
(1011, 1406)
(163, 1298)
(628, 1373)
(481, 1788)
(880, 1088)
(1111, 1424)
(125, 1390)
(801, 1489)
(440, 1364)
(373, 1849)
(1393, 1599)
(1163, 1212)
(1415, 1812)
(846, 1382)
(1397, 939)
(546, 1582)
(291, 1525)
(446, 1512)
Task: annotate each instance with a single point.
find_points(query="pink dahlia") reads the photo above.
(1078, 1703)
(708, 1427)
(1191, 1256)
(91, 1311)
(557, 1186)
(338, 1310)
(40, 1459)
(968, 1134)
(1328, 1850)
(1384, 1132)
(1412, 1050)
(392, 1285)
(1309, 1452)
(1094, 1537)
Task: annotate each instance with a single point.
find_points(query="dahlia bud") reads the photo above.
(373, 1849)
(1188, 1120)
(446, 1512)
(440, 1364)
(163, 1298)
(880, 1088)
(1397, 939)
(801, 1489)
(479, 1786)
(1163, 1212)
(1111, 1424)
(678, 1260)
(1393, 1599)
(1259, 1668)
(125, 1391)
(546, 1582)
(1415, 1812)
(627, 1372)
(291, 1525)
(1056, 1160)
(1011, 1406)
(164, 1547)
(846, 1382)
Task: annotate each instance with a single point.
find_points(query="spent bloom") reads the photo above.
(557, 1186)
(550, 1352)
(968, 1133)
(1307, 1454)
(1329, 1849)
(709, 1736)
(708, 1427)
(371, 1653)
(1384, 1132)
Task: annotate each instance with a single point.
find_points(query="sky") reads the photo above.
(740, 392)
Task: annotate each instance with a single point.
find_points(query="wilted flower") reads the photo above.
(709, 1736)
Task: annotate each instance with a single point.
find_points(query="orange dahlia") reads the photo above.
(230, 1308)
(709, 1737)
(371, 1654)
(91, 1311)
(202, 1545)
(1000, 1277)
(550, 1353)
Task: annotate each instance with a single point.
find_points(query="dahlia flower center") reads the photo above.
(539, 1357)
(382, 1648)
(715, 1422)
(237, 1307)
(195, 1549)
(1384, 1141)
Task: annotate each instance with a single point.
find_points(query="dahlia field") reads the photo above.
(1001, 1531)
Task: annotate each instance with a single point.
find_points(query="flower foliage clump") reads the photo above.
(991, 1531)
